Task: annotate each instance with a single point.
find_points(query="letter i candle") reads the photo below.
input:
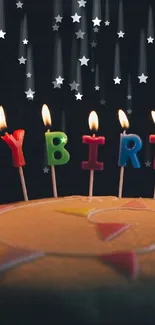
(125, 152)
(15, 142)
(52, 148)
(152, 140)
(93, 142)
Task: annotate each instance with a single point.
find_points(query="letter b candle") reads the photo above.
(93, 142)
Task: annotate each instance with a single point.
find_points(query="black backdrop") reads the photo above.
(23, 113)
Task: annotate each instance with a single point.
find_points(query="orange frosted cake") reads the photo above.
(91, 261)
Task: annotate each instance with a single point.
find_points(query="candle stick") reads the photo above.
(15, 142)
(152, 140)
(126, 152)
(53, 148)
(93, 142)
(125, 124)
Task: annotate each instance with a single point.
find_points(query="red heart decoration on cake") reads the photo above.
(111, 230)
(125, 262)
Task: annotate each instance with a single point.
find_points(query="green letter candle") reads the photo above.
(54, 148)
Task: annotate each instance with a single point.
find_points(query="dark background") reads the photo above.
(23, 113)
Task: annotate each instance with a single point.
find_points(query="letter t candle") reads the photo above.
(93, 142)
(15, 142)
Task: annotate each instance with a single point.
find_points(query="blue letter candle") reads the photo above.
(127, 153)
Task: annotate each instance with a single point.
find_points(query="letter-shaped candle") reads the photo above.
(93, 142)
(152, 140)
(125, 152)
(52, 148)
(15, 142)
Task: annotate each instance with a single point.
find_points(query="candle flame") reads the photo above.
(3, 124)
(123, 119)
(93, 121)
(46, 115)
(153, 115)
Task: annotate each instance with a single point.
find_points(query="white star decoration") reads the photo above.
(78, 96)
(80, 34)
(129, 111)
(96, 21)
(84, 60)
(28, 75)
(58, 19)
(30, 93)
(19, 5)
(25, 41)
(129, 97)
(120, 34)
(148, 164)
(56, 85)
(22, 60)
(97, 87)
(2, 34)
(107, 23)
(142, 78)
(150, 39)
(46, 170)
(76, 18)
(117, 80)
(82, 3)
(59, 80)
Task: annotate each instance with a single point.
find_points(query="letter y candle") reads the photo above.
(15, 142)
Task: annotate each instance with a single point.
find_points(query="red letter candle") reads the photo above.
(15, 142)
(93, 142)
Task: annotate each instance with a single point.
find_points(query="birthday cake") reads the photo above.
(91, 257)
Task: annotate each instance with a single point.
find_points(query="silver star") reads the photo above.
(58, 19)
(78, 96)
(117, 80)
(148, 164)
(96, 21)
(46, 170)
(55, 27)
(82, 3)
(120, 34)
(142, 78)
(80, 34)
(84, 60)
(25, 41)
(19, 4)
(74, 86)
(97, 87)
(129, 111)
(107, 23)
(30, 93)
(102, 102)
(76, 18)
(2, 34)
(93, 44)
(22, 60)
(28, 75)
(129, 97)
(59, 80)
(96, 29)
(150, 39)
(56, 85)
